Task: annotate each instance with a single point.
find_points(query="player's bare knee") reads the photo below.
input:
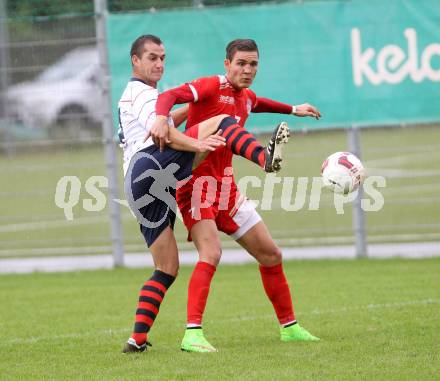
(170, 269)
(271, 257)
(211, 255)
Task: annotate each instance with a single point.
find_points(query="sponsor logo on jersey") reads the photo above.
(226, 99)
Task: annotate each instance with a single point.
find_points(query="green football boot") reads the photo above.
(194, 341)
(296, 333)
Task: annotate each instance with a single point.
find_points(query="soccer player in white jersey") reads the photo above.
(156, 217)
(152, 172)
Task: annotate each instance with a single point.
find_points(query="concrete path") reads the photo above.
(230, 256)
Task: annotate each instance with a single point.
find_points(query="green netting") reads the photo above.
(62, 8)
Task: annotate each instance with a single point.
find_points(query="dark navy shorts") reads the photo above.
(150, 187)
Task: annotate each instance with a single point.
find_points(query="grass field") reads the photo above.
(32, 225)
(377, 319)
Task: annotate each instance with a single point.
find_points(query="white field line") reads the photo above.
(52, 224)
(416, 189)
(322, 230)
(401, 173)
(21, 217)
(327, 203)
(407, 158)
(117, 332)
(340, 311)
(416, 148)
(350, 239)
(422, 149)
(414, 201)
(51, 166)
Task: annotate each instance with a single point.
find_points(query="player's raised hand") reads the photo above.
(307, 110)
(159, 132)
(211, 142)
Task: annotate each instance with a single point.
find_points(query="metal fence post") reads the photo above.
(108, 135)
(4, 80)
(359, 231)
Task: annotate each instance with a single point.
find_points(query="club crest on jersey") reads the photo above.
(248, 106)
(226, 99)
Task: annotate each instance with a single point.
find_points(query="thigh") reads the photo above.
(145, 190)
(237, 214)
(207, 241)
(205, 128)
(259, 243)
(192, 211)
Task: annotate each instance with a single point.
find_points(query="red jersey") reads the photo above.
(209, 97)
(214, 96)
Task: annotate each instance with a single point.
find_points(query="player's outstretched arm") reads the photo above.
(271, 106)
(306, 110)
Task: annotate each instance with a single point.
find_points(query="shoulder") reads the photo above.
(140, 87)
(251, 95)
(205, 87)
(211, 80)
(140, 93)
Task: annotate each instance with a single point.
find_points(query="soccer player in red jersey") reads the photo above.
(208, 206)
(151, 173)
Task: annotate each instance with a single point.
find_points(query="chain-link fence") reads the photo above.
(51, 146)
(54, 180)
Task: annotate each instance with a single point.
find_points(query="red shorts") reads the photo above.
(232, 212)
(193, 131)
(207, 197)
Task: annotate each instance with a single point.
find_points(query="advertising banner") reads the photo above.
(361, 63)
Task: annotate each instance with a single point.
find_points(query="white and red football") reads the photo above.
(342, 172)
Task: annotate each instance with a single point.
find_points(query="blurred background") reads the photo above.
(380, 79)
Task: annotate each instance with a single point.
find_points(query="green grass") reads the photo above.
(32, 225)
(378, 320)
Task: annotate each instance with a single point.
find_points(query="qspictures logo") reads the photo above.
(392, 63)
(291, 194)
(160, 187)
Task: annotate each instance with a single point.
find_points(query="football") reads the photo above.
(342, 172)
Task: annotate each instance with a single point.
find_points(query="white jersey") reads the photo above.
(137, 113)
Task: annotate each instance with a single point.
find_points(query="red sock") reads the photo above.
(241, 142)
(198, 291)
(150, 298)
(277, 289)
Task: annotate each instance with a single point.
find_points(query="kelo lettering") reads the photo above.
(393, 64)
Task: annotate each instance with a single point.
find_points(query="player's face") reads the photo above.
(242, 69)
(150, 66)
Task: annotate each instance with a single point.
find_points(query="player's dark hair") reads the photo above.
(240, 45)
(137, 47)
